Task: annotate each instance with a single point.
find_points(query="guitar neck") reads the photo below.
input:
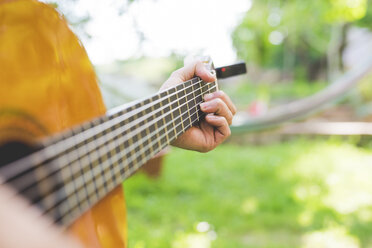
(77, 168)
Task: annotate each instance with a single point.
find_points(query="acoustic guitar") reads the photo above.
(80, 154)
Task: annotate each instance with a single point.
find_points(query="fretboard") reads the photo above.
(77, 168)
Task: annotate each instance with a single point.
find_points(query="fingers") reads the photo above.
(218, 107)
(220, 104)
(220, 123)
(222, 95)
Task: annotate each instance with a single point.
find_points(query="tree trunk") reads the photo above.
(336, 49)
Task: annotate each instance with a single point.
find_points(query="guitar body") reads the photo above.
(48, 84)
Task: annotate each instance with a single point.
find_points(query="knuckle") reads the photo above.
(234, 110)
(220, 93)
(219, 101)
(198, 62)
(228, 132)
(205, 149)
(221, 107)
(230, 118)
(226, 122)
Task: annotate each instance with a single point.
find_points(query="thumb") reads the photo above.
(190, 70)
(195, 68)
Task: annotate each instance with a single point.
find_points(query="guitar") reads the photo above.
(80, 154)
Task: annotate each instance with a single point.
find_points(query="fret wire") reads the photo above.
(147, 132)
(130, 142)
(132, 155)
(189, 125)
(167, 132)
(43, 187)
(80, 193)
(101, 157)
(164, 122)
(193, 95)
(199, 97)
(84, 170)
(91, 169)
(120, 161)
(139, 120)
(62, 144)
(83, 179)
(139, 134)
(187, 94)
(112, 144)
(179, 110)
(156, 128)
(101, 192)
(141, 162)
(100, 179)
(70, 201)
(162, 135)
(107, 134)
(92, 146)
(138, 110)
(172, 117)
(79, 165)
(93, 158)
(158, 138)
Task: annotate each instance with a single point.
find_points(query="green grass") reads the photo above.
(301, 193)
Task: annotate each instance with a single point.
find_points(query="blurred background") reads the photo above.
(299, 179)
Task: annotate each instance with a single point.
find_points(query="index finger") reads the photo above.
(224, 97)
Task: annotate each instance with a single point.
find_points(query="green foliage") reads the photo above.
(345, 10)
(293, 35)
(281, 195)
(367, 19)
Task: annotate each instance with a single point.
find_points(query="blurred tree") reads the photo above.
(302, 38)
(366, 21)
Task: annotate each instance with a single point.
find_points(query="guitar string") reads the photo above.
(72, 214)
(76, 207)
(61, 146)
(47, 153)
(103, 168)
(24, 181)
(195, 106)
(89, 195)
(97, 143)
(110, 161)
(118, 120)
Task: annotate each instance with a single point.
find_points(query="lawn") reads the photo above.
(299, 193)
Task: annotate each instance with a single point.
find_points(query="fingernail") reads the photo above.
(212, 116)
(204, 106)
(208, 96)
(212, 75)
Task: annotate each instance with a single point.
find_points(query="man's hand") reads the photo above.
(214, 128)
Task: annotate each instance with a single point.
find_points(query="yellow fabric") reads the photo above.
(48, 84)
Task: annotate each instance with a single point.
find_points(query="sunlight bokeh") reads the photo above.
(167, 26)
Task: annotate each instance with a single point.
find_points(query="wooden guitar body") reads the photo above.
(48, 84)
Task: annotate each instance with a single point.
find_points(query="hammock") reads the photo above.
(301, 108)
